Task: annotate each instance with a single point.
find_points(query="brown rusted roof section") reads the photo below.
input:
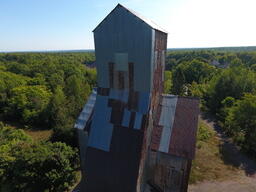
(183, 137)
(184, 128)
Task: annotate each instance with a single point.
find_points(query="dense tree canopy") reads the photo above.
(48, 91)
(44, 91)
(225, 81)
(26, 165)
(240, 122)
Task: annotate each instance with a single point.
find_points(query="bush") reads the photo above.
(31, 166)
(241, 123)
(204, 133)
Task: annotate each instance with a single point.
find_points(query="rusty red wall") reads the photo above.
(160, 47)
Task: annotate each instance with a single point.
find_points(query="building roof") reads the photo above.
(86, 112)
(143, 19)
(176, 130)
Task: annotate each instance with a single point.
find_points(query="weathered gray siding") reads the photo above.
(122, 32)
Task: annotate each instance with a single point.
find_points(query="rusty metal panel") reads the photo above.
(169, 172)
(177, 126)
(183, 138)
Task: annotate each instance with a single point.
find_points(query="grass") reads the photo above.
(37, 134)
(40, 135)
(208, 164)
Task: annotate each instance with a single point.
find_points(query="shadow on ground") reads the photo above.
(231, 154)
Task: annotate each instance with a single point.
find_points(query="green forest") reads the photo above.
(45, 92)
(225, 82)
(39, 92)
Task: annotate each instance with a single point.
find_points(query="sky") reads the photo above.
(41, 25)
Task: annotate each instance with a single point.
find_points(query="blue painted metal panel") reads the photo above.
(122, 32)
(138, 120)
(126, 118)
(121, 61)
(101, 130)
(144, 102)
(121, 95)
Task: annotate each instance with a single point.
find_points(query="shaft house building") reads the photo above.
(132, 137)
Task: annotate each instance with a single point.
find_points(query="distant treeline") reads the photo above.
(226, 84)
(220, 49)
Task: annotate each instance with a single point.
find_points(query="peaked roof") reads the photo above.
(147, 21)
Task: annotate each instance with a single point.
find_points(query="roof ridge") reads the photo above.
(139, 16)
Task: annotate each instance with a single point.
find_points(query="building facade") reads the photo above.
(127, 127)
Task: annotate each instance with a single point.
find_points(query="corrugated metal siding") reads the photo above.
(121, 95)
(177, 126)
(158, 45)
(124, 33)
(138, 121)
(126, 118)
(146, 20)
(144, 102)
(168, 173)
(116, 170)
(130, 81)
(87, 111)
(101, 128)
(166, 120)
(183, 138)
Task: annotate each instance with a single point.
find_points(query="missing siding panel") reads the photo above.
(144, 122)
(132, 120)
(111, 74)
(121, 79)
(113, 103)
(133, 100)
(117, 116)
(103, 91)
(131, 76)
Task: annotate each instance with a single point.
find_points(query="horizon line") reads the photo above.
(92, 50)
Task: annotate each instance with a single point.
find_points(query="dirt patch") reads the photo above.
(241, 184)
(242, 174)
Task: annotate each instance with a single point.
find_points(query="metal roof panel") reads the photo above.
(142, 18)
